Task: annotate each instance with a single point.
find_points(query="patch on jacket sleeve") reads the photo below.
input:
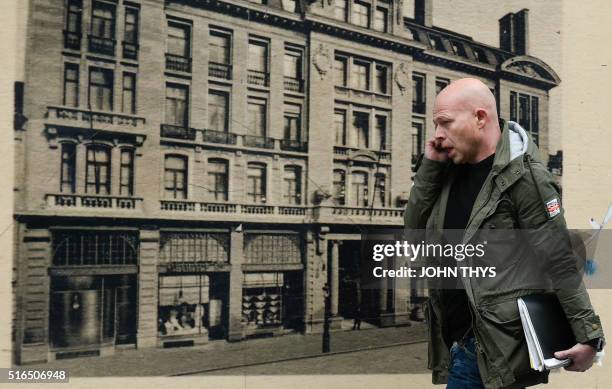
(553, 208)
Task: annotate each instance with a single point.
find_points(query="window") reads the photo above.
(361, 14)
(418, 93)
(289, 5)
(418, 142)
(340, 126)
(340, 9)
(98, 170)
(218, 179)
(359, 189)
(340, 70)
(103, 20)
(128, 103)
(179, 39)
(441, 83)
(292, 188)
(380, 82)
(380, 134)
(182, 300)
(68, 168)
(524, 113)
(535, 120)
(73, 32)
(380, 19)
(339, 185)
(513, 106)
(360, 75)
(218, 103)
(480, 55)
(219, 47)
(379, 190)
(293, 63)
(175, 177)
(101, 89)
(361, 129)
(257, 117)
(528, 114)
(256, 182)
(258, 56)
(176, 105)
(71, 85)
(126, 174)
(292, 122)
(130, 34)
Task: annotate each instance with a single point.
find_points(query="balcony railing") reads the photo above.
(293, 145)
(130, 50)
(418, 107)
(99, 120)
(258, 78)
(220, 70)
(381, 155)
(294, 84)
(177, 132)
(72, 40)
(222, 137)
(76, 201)
(232, 208)
(262, 142)
(178, 63)
(101, 45)
(351, 215)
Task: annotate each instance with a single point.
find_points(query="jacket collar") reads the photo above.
(513, 145)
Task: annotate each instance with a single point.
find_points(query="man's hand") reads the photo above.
(581, 355)
(434, 150)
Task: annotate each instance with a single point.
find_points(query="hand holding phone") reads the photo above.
(434, 150)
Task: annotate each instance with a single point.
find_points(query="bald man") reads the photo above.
(477, 177)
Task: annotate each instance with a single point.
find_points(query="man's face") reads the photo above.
(456, 130)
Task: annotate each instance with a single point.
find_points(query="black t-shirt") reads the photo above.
(456, 321)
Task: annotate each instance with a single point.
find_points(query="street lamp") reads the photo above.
(326, 316)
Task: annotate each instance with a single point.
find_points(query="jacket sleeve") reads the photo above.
(541, 218)
(424, 192)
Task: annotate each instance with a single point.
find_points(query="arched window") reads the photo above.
(175, 176)
(218, 178)
(98, 170)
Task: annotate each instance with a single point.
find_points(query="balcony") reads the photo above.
(293, 84)
(178, 63)
(233, 211)
(79, 202)
(101, 45)
(220, 70)
(262, 142)
(352, 152)
(363, 96)
(72, 40)
(221, 137)
(258, 78)
(95, 120)
(359, 215)
(293, 145)
(418, 107)
(130, 50)
(177, 132)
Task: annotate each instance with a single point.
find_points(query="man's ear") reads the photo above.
(481, 117)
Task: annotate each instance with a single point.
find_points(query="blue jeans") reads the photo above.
(463, 371)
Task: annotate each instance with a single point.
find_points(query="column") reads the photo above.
(335, 276)
(235, 285)
(147, 287)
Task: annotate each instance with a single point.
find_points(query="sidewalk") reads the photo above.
(221, 354)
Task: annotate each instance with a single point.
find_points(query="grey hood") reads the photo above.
(519, 140)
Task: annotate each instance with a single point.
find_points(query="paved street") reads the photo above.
(257, 354)
(404, 359)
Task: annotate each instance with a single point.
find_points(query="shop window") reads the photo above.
(272, 248)
(192, 247)
(262, 299)
(184, 305)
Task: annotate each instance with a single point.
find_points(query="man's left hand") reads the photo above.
(581, 355)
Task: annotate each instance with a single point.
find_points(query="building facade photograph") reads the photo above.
(199, 170)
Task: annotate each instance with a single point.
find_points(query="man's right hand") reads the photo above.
(434, 150)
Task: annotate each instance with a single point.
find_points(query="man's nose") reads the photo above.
(439, 133)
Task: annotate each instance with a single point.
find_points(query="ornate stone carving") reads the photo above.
(402, 77)
(322, 60)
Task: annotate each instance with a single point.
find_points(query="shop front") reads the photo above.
(193, 288)
(93, 292)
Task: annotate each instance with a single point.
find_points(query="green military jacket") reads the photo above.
(514, 196)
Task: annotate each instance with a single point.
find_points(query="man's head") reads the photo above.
(466, 122)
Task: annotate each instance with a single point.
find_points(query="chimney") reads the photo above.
(514, 32)
(423, 12)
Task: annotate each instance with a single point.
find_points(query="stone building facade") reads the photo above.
(197, 170)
